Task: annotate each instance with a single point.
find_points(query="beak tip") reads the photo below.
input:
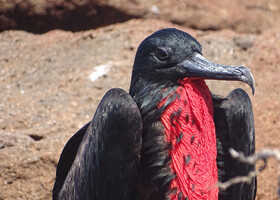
(253, 90)
(251, 80)
(248, 78)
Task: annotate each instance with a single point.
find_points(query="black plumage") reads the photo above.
(105, 156)
(234, 122)
(122, 153)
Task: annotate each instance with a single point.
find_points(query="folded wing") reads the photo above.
(101, 160)
(234, 123)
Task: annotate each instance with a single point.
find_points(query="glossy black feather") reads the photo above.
(106, 162)
(234, 122)
(154, 174)
(67, 158)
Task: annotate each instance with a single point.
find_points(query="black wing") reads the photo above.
(67, 158)
(234, 123)
(106, 163)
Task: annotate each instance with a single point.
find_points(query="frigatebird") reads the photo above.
(168, 138)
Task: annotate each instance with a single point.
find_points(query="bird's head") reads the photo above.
(172, 55)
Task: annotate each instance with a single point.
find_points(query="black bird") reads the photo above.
(169, 137)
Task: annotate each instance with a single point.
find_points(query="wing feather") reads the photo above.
(106, 162)
(234, 123)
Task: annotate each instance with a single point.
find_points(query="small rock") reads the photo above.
(244, 43)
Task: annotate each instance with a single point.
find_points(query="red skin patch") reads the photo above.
(190, 127)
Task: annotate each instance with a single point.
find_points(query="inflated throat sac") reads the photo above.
(189, 127)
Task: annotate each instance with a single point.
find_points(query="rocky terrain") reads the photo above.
(53, 47)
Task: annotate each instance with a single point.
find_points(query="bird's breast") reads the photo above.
(190, 129)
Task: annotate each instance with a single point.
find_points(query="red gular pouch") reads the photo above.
(189, 127)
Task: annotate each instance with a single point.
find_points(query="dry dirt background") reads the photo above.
(46, 95)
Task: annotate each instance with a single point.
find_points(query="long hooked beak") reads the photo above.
(198, 66)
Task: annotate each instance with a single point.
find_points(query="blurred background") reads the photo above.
(58, 58)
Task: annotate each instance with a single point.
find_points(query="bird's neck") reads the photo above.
(190, 128)
(148, 94)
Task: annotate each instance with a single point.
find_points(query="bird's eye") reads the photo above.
(163, 53)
